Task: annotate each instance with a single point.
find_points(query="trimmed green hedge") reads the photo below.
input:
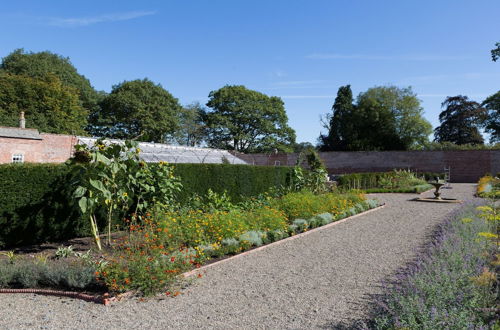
(239, 181)
(36, 204)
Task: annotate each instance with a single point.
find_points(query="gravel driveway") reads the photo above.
(321, 280)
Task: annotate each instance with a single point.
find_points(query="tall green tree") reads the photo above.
(495, 52)
(492, 122)
(38, 65)
(245, 120)
(400, 115)
(339, 124)
(137, 109)
(460, 121)
(49, 105)
(192, 129)
(383, 118)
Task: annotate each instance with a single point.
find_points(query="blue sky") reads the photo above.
(302, 51)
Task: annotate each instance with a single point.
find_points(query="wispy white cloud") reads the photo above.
(334, 56)
(85, 21)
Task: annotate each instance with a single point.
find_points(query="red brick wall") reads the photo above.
(466, 166)
(53, 148)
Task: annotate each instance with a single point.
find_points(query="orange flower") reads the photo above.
(167, 293)
(176, 293)
(172, 259)
(199, 275)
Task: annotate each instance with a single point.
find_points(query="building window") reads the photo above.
(277, 163)
(18, 158)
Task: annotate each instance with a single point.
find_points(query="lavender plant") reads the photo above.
(439, 290)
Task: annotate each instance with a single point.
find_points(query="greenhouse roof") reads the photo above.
(156, 152)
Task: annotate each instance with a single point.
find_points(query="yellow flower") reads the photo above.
(488, 235)
(467, 220)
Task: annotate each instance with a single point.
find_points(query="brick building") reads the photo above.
(21, 144)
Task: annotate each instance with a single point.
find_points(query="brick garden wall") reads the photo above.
(466, 166)
(53, 148)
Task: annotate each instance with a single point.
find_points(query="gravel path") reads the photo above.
(318, 281)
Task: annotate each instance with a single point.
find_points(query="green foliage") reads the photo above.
(141, 263)
(49, 105)
(383, 118)
(460, 121)
(64, 252)
(313, 179)
(116, 181)
(495, 52)
(247, 121)
(192, 130)
(443, 146)
(492, 123)
(390, 118)
(137, 109)
(395, 181)
(341, 123)
(237, 181)
(306, 204)
(40, 65)
(36, 205)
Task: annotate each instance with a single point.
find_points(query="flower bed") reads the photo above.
(150, 257)
(452, 286)
(488, 187)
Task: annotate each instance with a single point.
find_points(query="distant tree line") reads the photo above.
(56, 98)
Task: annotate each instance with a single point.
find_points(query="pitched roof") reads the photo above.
(20, 133)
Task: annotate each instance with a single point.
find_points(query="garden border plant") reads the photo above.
(453, 283)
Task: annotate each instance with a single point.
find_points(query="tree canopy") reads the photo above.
(383, 118)
(49, 105)
(339, 124)
(137, 109)
(495, 53)
(248, 121)
(492, 122)
(191, 130)
(460, 121)
(38, 65)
